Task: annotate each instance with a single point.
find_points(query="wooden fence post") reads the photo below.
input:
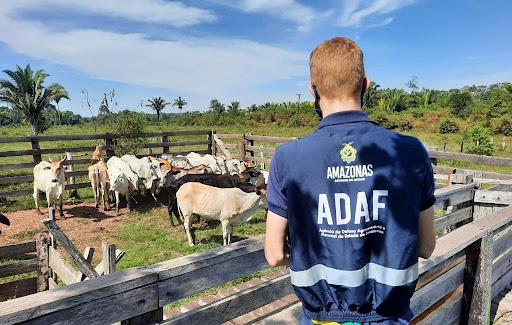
(251, 143)
(42, 262)
(53, 243)
(72, 192)
(109, 143)
(476, 300)
(244, 143)
(434, 160)
(35, 146)
(262, 155)
(212, 145)
(165, 147)
(503, 145)
(75, 255)
(109, 257)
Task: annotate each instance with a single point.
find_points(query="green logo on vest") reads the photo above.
(348, 153)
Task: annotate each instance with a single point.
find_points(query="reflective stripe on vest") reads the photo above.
(356, 278)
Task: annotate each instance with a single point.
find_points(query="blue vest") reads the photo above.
(352, 192)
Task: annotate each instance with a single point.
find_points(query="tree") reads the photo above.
(27, 94)
(253, 108)
(60, 94)
(234, 108)
(217, 107)
(392, 100)
(157, 104)
(371, 95)
(460, 103)
(179, 102)
(413, 84)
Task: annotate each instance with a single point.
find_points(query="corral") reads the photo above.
(470, 266)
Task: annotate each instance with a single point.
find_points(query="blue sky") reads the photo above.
(252, 51)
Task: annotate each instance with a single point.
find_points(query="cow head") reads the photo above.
(56, 170)
(97, 155)
(233, 166)
(263, 198)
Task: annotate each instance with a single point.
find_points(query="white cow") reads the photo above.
(100, 182)
(147, 170)
(230, 206)
(49, 178)
(122, 179)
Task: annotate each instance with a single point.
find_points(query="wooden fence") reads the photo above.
(106, 140)
(26, 263)
(470, 264)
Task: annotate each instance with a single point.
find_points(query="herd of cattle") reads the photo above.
(213, 188)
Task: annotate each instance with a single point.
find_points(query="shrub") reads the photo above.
(448, 125)
(460, 104)
(502, 125)
(480, 136)
(131, 123)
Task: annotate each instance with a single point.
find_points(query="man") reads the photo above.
(357, 200)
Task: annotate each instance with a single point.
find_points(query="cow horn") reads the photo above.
(50, 158)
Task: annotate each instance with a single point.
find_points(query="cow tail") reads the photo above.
(179, 211)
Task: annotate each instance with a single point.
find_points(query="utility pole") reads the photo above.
(298, 109)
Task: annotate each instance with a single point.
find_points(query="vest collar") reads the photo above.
(351, 116)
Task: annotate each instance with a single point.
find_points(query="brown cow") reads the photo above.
(97, 155)
(100, 182)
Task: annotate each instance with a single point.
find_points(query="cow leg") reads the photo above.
(36, 199)
(60, 205)
(225, 226)
(49, 200)
(187, 223)
(230, 232)
(117, 203)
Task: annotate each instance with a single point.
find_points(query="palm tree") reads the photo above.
(371, 95)
(217, 107)
(60, 93)
(157, 104)
(234, 108)
(179, 102)
(27, 93)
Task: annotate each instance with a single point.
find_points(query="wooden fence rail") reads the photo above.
(37, 153)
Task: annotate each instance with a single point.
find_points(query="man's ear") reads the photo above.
(367, 82)
(310, 87)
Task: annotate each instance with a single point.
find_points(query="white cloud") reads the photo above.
(148, 11)
(289, 10)
(354, 12)
(196, 66)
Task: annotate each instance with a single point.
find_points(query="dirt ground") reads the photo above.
(83, 224)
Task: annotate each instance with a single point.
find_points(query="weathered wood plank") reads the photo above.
(260, 149)
(471, 158)
(237, 304)
(494, 197)
(16, 193)
(501, 188)
(175, 144)
(261, 160)
(18, 288)
(15, 250)
(440, 269)
(99, 268)
(452, 195)
(437, 289)
(453, 218)
(66, 273)
(475, 173)
(232, 145)
(75, 255)
(18, 268)
(220, 144)
(106, 310)
(109, 258)
(229, 136)
(504, 282)
(501, 265)
(77, 294)
(42, 262)
(476, 300)
(44, 138)
(502, 242)
(17, 166)
(88, 255)
(445, 311)
(268, 139)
